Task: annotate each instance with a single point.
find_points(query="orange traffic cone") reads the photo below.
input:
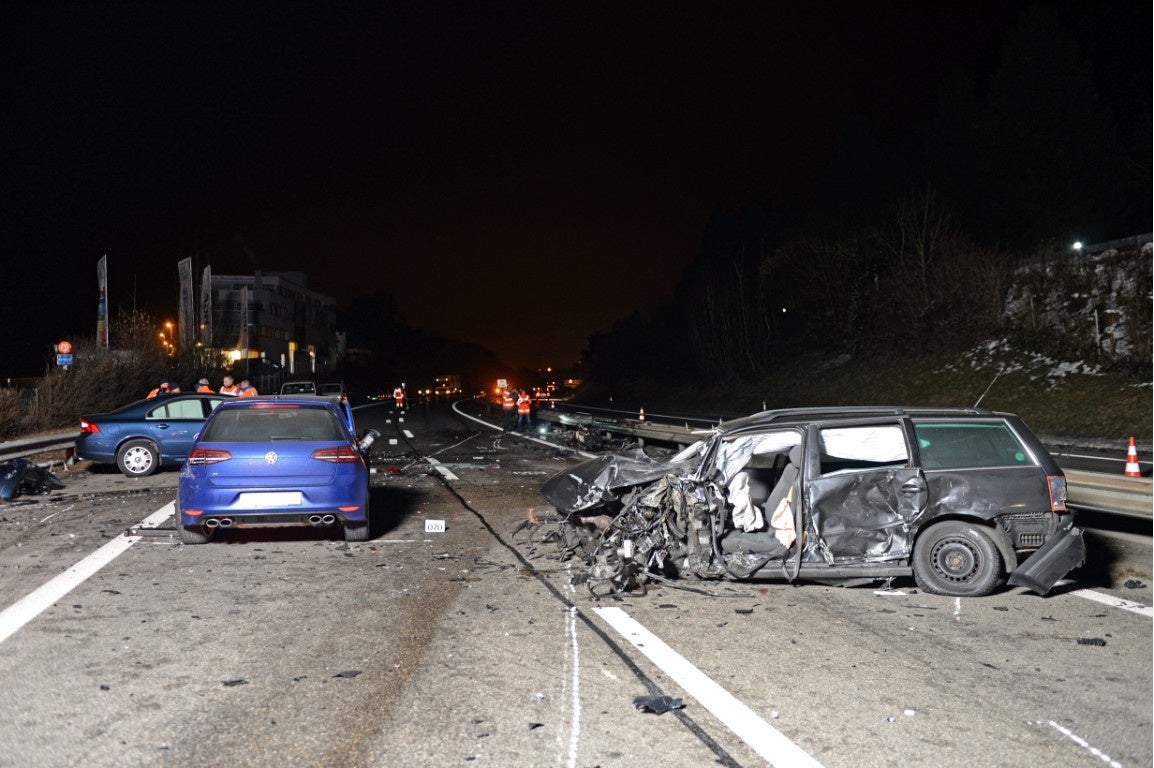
(641, 416)
(1132, 468)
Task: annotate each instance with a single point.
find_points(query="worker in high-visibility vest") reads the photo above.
(227, 387)
(524, 409)
(165, 387)
(508, 409)
(399, 397)
(203, 386)
(246, 389)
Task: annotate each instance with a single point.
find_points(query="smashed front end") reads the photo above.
(633, 519)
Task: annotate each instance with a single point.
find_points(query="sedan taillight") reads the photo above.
(201, 456)
(88, 428)
(342, 455)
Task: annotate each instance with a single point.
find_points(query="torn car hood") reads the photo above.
(593, 483)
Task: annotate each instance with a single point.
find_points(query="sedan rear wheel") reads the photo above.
(137, 458)
(957, 559)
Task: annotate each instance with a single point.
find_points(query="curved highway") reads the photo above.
(453, 637)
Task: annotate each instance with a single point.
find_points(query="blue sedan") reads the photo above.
(275, 461)
(143, 436)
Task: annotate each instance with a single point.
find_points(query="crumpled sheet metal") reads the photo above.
(21, 476)
(859, 516)
(591, 483)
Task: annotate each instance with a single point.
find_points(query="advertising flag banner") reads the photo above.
(242, 342)
(187, 318)
(102, 302)
(206, 307)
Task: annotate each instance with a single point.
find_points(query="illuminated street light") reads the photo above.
(1077, 246)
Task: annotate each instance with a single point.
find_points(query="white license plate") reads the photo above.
(268, 500)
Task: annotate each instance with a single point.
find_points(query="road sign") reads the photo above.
(64, 348)
(64, 359)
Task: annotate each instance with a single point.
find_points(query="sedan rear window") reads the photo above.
(256, 425)
(947, 445)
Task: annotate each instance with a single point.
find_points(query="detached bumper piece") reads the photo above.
(1062, 553)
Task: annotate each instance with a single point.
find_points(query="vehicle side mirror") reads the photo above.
(370, 437)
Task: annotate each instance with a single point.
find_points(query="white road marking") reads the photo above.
(1085, 745)
(1115, 602)
(575, 680)
(27, 608)
(407, 433)
(441, 468)
(762, 737)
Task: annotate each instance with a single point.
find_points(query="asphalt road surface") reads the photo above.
(470, 646)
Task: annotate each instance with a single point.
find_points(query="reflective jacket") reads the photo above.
(524, 402)
(507, 401)
(233, 390)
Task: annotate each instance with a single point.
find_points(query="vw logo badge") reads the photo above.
(270, 457)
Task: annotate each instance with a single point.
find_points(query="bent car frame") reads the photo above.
(951, 496)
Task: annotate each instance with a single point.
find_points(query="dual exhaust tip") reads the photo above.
(226, 522)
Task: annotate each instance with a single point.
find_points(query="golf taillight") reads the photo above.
(342, 455)
(1057, 493)
(88, 428)
(202, 456)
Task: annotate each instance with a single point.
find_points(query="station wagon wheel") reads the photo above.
(957, 559)
(137, 458)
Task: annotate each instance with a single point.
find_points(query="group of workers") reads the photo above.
(227, 387)
(521, 405)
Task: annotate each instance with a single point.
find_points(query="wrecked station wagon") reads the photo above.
(951, 496)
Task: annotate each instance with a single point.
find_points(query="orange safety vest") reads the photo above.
(250, 392)
(399, 395)
(523, 404)
(204, 388)
(233, 390)
(507, 401)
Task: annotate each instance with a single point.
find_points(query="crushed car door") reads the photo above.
(863, 493)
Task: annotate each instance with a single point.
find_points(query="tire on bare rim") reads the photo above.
(957, 559)
(138, 458)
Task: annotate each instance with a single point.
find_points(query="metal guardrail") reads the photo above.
(1091, 491)
(33, 446)
(1113, 494)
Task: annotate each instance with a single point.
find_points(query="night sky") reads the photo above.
(518, 175)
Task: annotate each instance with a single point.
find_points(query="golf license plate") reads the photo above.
(270, 499)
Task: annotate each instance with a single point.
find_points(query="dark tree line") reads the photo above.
(906, 246)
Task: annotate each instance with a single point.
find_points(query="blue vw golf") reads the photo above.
(275, 461)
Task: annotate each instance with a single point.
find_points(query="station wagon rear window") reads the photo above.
(953, 445)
